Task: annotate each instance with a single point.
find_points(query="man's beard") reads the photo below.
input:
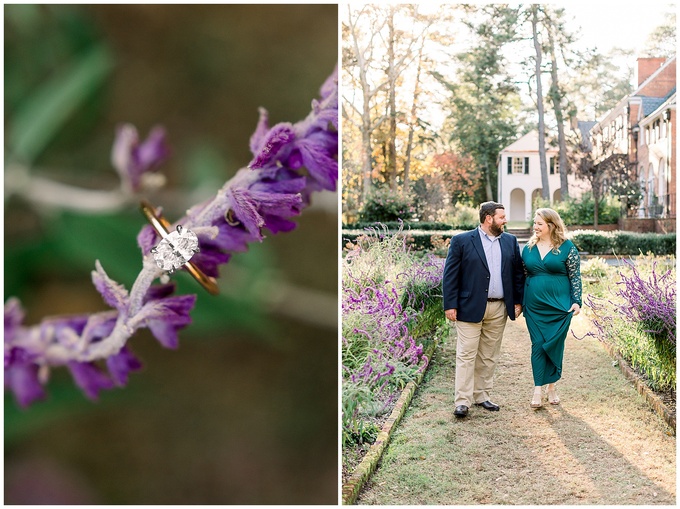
(496, 229)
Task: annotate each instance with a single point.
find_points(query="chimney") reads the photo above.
(647, 67)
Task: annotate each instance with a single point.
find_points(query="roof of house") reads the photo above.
(527, 143)
(649, 104)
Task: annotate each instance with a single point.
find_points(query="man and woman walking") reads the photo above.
(487, 280)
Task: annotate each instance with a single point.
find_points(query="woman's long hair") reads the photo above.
(558, 232)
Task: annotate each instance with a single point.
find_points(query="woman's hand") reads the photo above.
(575, 308)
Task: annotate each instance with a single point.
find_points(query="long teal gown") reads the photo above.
(552, 285)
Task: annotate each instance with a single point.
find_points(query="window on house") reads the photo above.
(554, 165)
(518, 165)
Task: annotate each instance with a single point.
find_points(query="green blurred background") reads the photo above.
(246, 410)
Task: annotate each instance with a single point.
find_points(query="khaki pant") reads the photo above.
(477, 351)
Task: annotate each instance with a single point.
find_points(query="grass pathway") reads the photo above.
(601, 445)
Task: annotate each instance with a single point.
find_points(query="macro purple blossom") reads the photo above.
(290, 162)
(133, 159)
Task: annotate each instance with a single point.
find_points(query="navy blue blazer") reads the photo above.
(466, 276)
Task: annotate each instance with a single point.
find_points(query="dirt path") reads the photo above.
(602, 445)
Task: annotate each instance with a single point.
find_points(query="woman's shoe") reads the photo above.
(537, 400)
(553, 398)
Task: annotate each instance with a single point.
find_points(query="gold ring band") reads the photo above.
(163, 228)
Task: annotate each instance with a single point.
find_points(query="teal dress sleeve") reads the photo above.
(574, 274)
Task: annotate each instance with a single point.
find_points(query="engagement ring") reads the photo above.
(176, 248)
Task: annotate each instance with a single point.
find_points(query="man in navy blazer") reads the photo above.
(483, 285)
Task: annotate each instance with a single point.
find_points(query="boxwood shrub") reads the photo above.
(624, 243)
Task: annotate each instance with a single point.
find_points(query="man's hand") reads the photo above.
(451, 314)
(518, 310)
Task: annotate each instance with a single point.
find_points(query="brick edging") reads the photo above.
(351, 489)
(652, 399)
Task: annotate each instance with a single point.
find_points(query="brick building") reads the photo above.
(642, 126)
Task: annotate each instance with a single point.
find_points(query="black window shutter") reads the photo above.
(509, 165)
(552, 165)
(526, 165)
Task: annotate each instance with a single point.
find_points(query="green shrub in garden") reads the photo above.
(582, 210)
(383, 204)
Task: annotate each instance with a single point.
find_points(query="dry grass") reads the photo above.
(602, 445)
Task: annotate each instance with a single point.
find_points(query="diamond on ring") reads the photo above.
(175, 249)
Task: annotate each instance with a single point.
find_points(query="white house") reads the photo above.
(519, 177)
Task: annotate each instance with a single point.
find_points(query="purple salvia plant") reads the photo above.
(266, 194)
(384, 310)
(650, 303)
(646, 303)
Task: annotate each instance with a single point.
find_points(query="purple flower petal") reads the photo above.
(147, 238)
(245, 210)
(89, 378)
(114, 294)
(230, 238)
(321, 166)
(14, 315)
(258, 137)
(280, 204)
(165, 316)
(132, 159)
(121, 364)
(154, 150)
(276, 224)
(23, 381)
(165, 333)
(275, 141)
(209, 259)
(99, 326)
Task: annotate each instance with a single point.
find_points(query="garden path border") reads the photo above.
(364, 470)
(654, 401)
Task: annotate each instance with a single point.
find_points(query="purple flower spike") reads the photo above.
(267, 194)
(132, 159)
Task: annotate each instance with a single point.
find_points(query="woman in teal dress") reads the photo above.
(552, 295)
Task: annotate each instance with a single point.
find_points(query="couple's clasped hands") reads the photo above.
(452, 314)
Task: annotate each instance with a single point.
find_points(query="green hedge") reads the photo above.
(624, 243)
(595, 243)
(394, 226)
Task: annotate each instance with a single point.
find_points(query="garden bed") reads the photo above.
(364, 460)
